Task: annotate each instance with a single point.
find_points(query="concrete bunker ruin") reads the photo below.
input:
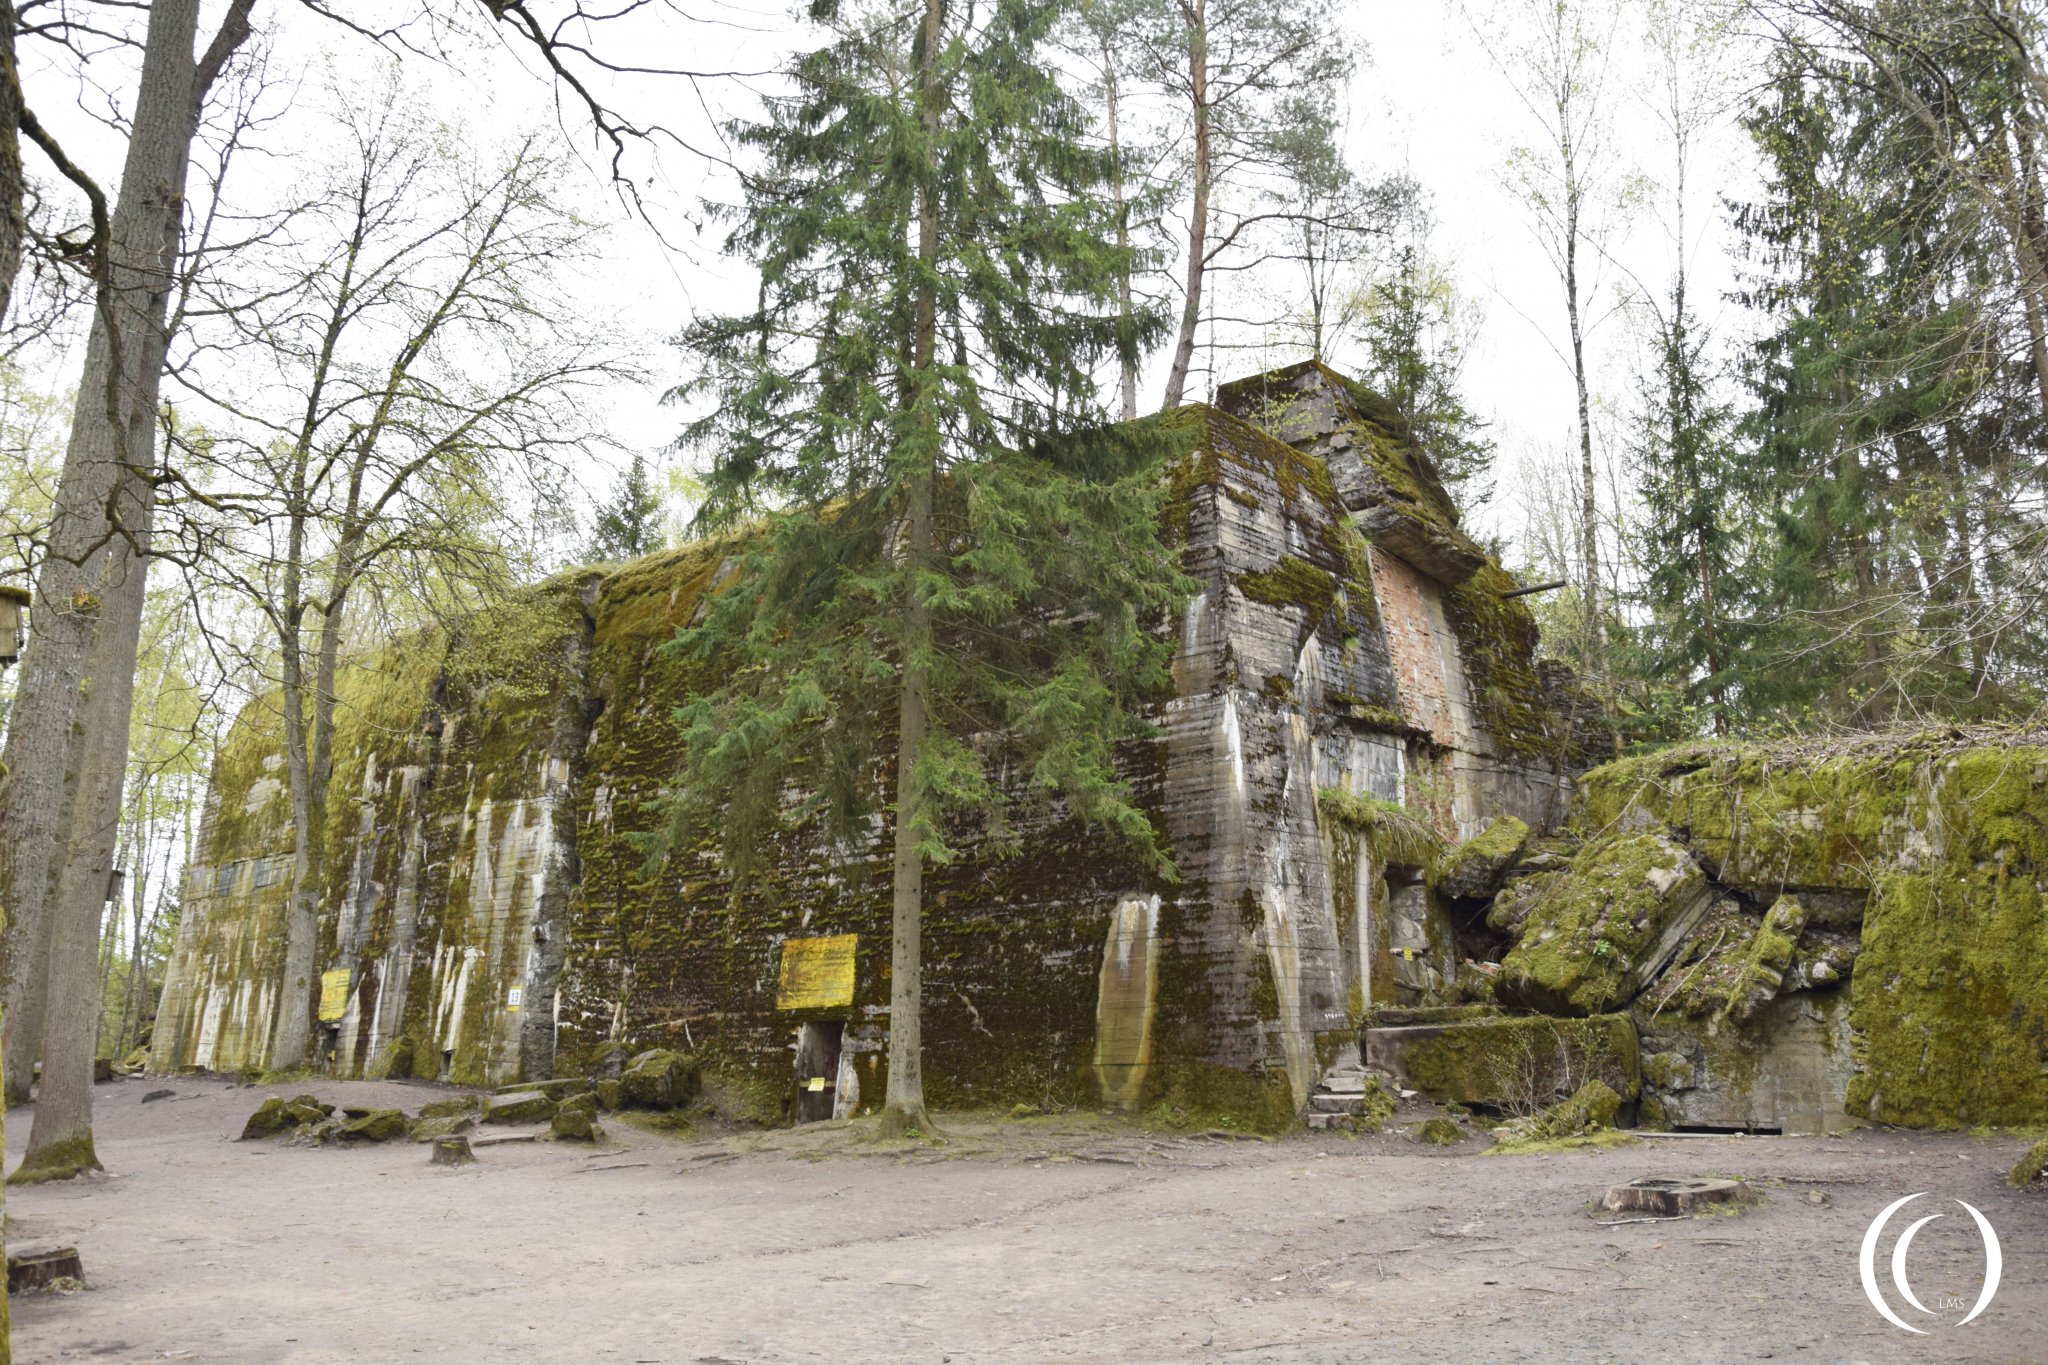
(1370, 783)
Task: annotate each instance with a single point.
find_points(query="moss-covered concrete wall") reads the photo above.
(490, 903)
(1914, 867)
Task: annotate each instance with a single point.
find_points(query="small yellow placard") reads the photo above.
(817, 973)
(817, 1086)
(333, 995)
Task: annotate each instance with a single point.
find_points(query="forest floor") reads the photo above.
(1073, 1238)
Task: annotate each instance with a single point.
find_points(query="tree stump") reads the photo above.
(35, 1269)
(452, 1151)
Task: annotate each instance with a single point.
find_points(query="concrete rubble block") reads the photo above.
(1508, 1062)
(277, 1114)
(451, 1108)
(1476, 869)
(659, 1079)
(1786, 1069)
(559, 1088)
(576, 1120)
(608, 1061)
(379, 1125)
(1593, 937)
(433, 1129)
(522, 1106)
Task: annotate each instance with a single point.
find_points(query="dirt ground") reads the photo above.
(1054, 1239)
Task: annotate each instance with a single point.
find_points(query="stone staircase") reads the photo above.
(1346, 1094)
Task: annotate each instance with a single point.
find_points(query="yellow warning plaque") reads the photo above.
(817, 973)
(333, 995)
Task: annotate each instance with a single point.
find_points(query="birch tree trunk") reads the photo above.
(92, 582)
(1198, 219)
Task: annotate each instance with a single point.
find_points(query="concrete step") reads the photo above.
(1343, 1085)
(1335, 1104)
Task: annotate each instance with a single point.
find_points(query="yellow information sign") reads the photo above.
(333, 995)
(817, 973)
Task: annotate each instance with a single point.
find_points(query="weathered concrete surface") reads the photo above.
(1019, 1243)
(478, 777)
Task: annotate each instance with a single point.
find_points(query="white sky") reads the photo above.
(1428, 100)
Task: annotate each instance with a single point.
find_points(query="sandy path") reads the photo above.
(1044, 1241)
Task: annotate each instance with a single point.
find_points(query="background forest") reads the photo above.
(1743, 340)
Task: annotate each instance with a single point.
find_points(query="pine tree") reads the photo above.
(629, 525)
(905, 416)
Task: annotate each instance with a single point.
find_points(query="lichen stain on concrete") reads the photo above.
(1126, 1000)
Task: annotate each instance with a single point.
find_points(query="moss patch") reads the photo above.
(1439, 1133)
(2028, 1171)
(59, 1161)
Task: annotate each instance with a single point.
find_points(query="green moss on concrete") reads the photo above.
(1523, 1062)
(1394, 834)
(1475, 869)
(1292, 582)
(1586, 934)
(1947, 835)
(379, 1125)
(1497, 641)
(395, 1061)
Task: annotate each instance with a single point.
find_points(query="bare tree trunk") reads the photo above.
(1589, 498)
(12, 221)
(1127, 363)
(89, 682)
(1196, 13)
(291, 1032)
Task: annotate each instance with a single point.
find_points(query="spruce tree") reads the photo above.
(629, 525)
(937, 555)
(1415, 356)
(1689, 477)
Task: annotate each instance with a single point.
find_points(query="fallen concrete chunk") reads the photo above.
(1592, 938)
(1475, 869)
(276, 1114)
(576, 1120)
(659, 1079)
(523, 1106)
(461, 1104)
(379, 1125)
(432, 1129)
